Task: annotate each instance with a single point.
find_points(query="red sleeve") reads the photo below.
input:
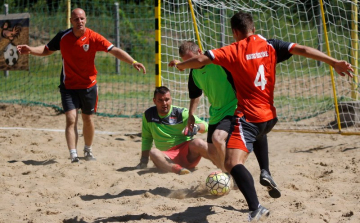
(223, 56)
(102, 44)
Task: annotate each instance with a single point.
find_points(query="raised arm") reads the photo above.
(195, 62)
(341, 66)
(37, 51)
(124, 56)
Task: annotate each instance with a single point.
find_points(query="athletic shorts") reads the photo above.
(84, 99)
(245, 133)
(178, 154)
(225, 124)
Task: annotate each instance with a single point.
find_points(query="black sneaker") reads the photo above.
(267, 181)
(75, 160)
(259, 214)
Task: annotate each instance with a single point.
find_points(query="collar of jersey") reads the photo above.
(164, 116)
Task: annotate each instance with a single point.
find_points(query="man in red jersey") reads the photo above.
(78, 46)
(252, 62)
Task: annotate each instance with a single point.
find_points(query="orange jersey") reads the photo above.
(252, 63)
(78, 71)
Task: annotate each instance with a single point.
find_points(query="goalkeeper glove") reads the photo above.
(187, 132)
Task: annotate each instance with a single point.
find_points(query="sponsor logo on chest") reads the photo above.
(86, 47)
(172, 120)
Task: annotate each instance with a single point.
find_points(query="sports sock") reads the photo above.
(73, 153)
(245, 182)
(261, 151)
(87, 148)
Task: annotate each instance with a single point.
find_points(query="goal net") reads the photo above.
(304, 93)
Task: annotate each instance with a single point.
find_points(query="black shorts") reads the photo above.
(246, 133)
(225, 124)
(84, 99)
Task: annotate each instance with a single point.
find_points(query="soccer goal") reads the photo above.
(305, 89)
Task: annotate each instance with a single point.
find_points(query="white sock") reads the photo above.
(73, 153)
(87, 148)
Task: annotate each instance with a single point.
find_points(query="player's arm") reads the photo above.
(203, 126)
(195, 62)
(124, 56)
(37, 51)
(341, 67)
(146, 144)
(194, 93)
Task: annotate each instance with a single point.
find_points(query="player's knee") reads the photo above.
(218, 139)
(228, 165)
(198, 143)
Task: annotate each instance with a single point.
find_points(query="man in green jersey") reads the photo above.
(218, 86)
(165, 124)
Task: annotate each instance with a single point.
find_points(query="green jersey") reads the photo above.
(165, 131)
(217, 84)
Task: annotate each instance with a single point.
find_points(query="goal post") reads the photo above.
(304, 91)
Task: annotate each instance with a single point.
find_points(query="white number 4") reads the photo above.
(260, 78)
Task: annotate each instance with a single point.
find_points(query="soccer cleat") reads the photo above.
(184, 171)
(267, 181)
(88, 155)
(259, 214)
(75, 160)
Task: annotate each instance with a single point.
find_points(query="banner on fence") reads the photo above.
(14, 30)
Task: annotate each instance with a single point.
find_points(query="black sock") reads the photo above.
(261, 151)
(245, 182)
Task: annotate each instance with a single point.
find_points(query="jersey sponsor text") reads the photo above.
(257, 55)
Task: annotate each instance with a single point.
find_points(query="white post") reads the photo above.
(117, 35)
(6, 11)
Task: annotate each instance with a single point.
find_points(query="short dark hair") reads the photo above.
(188, 46)
(161, 90)
(243, 22)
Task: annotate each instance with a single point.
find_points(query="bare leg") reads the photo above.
(198, 147)
(88, 129)
(71, 133)
(160, 160)
(219, 140)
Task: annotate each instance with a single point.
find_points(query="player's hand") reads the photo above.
(191, 122)
(141, 166)
(139, 66)
(343, 68)
(186, 131)
(23, 49)
(143, 163)
(174, 63)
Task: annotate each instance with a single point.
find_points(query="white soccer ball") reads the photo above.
(11, 54)
(218, 183)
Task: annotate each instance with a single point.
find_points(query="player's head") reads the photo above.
(188, 49)
(242, 25)
(78, 20)
(162, 100)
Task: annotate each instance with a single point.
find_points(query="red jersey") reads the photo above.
(252, 62)
(78, 71)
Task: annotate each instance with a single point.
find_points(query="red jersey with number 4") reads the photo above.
(252, 63)
(78, 71)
